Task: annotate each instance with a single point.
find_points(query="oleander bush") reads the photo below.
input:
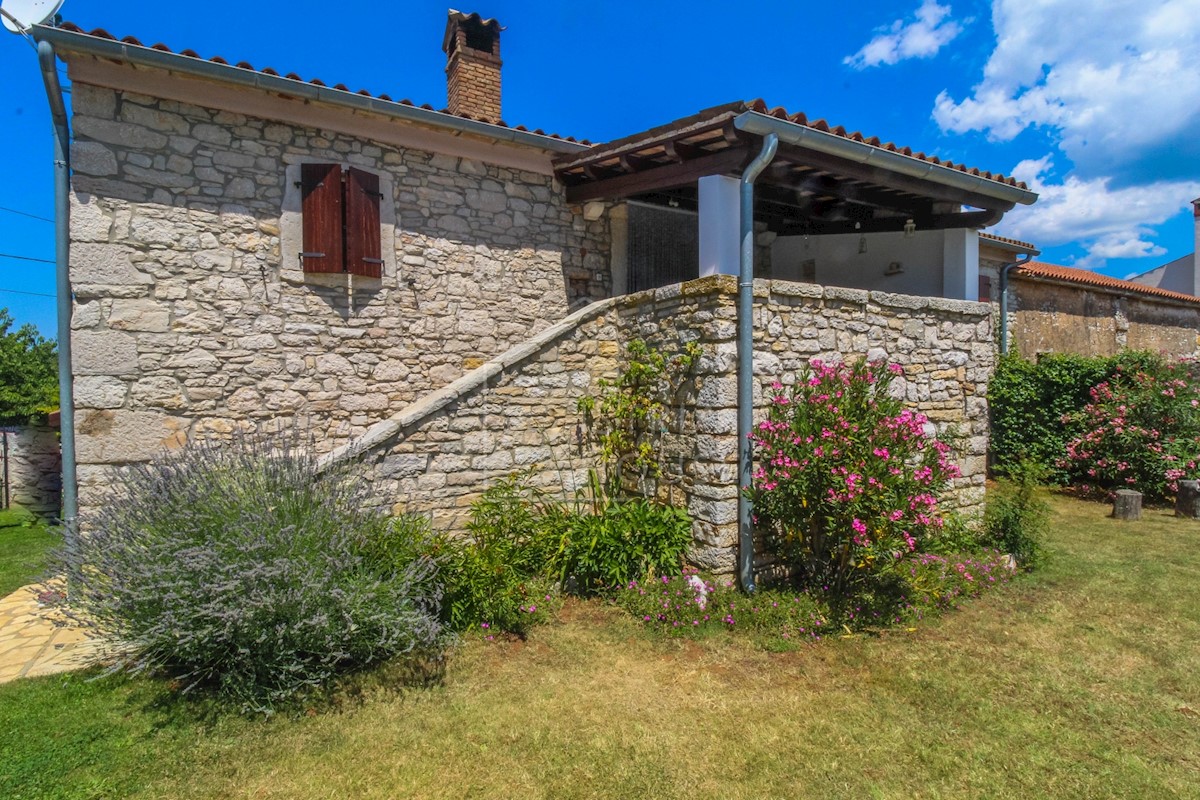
(1028, 401)
(1140, 430)
(847, 481)
(243, 568)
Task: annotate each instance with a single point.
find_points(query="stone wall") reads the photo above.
(192, 318)
(1054, 318)
(1046, 317)
(35, 469)
(520, 410)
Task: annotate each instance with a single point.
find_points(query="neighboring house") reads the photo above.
(1181, 275)
(434, 289)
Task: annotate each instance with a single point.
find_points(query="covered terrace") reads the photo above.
(830, 207)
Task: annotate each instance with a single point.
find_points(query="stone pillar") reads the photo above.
(720, 213)
(960, 264)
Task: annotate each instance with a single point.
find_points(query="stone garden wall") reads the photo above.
(519, 410)
(35, 469)
(192, 317)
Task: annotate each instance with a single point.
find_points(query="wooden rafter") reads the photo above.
(668, 176)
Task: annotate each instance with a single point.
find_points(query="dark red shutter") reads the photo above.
(321, 193)
(363, 254)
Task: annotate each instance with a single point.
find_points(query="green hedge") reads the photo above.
(1028, 401)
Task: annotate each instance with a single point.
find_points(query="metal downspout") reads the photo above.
(62, 250)
(745, 359)
(1007, 268)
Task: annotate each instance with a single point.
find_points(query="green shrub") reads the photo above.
(1015, 519)
(497, 576)
(1029, 400)
(625, 540)
(241, 567)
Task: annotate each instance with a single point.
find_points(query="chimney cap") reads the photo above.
(457, 19)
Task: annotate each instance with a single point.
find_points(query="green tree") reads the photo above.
(28, 372)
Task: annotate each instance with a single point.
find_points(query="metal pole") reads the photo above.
(62, 248)
(745, 356)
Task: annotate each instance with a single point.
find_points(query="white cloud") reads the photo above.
(919, 37)
(1106, 222)
(1115, 83)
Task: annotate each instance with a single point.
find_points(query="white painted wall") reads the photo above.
(720, 225)
(838, 262)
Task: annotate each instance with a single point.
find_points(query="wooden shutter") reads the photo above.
(321, 193)
(363, 254)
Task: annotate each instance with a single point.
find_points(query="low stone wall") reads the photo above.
(519, 410)
(35, 469)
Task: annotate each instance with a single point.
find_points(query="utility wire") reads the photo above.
(31, 294)
(25, 214)
(28, 258)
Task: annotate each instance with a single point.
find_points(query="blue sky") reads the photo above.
(1097, 110)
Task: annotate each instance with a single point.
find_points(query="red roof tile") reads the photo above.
(799, 118)
(1004, 240)
(1036, 269)
(100, 33)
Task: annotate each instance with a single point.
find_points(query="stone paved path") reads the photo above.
(36, 639)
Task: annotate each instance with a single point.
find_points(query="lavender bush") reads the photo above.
(240, 567)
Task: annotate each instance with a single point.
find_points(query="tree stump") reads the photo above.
(1187, 500)
(1127, 505)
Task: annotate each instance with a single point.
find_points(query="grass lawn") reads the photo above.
(24, 543)
(1082, 681)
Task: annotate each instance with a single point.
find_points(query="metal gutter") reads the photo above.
(62, 251)
(199, 68)
(1004, 271)
(863, 153)
(745, 360)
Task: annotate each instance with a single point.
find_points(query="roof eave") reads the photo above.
(187, 65)
(1123, 291)
(864, 153)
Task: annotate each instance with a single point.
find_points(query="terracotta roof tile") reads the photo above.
(993, 237)
(799, 118)
(100, 33)
(1036, 269)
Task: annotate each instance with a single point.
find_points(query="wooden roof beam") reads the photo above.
(879, 176)
(668, 176)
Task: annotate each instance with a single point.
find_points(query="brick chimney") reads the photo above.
(472, 47)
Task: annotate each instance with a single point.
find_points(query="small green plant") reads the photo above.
(628, 420)
(1016, 517)
(496, 576)
(626, 540)
(243, 568)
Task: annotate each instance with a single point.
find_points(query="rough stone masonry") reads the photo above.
(192, 319)
(519, 411)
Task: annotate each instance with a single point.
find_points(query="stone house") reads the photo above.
(432, 290)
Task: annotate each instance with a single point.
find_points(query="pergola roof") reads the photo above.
(822, 180)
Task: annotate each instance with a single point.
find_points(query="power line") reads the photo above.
(28, 258)
(31, 294)
(25, 214)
